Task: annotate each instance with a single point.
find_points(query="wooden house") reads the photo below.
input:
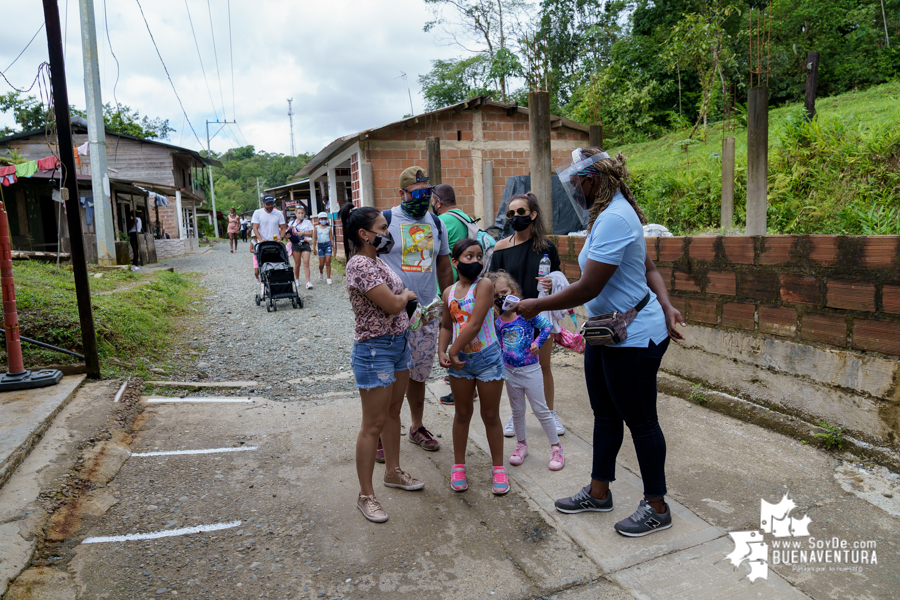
(153, 180)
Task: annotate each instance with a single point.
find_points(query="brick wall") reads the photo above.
(835, 291)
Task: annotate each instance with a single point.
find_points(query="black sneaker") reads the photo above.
(447, 400)
(584, 502)
(644, 521)
(447, 379)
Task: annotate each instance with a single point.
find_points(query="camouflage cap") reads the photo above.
(412, 175)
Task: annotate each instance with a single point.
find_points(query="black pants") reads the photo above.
(243, 235)
(621, 384)
(132, 237)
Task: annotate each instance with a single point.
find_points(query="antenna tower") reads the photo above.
(291, 119)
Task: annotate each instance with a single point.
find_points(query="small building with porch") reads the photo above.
(158, 182)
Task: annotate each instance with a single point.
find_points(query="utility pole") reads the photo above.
(212, 190)
(106, 246)
(291, 119)
(258, 194)
(70, 191)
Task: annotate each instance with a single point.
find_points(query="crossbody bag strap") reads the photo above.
(643, 303)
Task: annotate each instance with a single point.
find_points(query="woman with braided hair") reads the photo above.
(617, 275)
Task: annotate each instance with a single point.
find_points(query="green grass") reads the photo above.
(839, 174)
(137, 316)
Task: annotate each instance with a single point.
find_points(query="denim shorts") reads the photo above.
(375, 360)
(325, 249)
(485, 365)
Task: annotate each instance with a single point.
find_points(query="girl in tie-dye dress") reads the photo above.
(474, 360)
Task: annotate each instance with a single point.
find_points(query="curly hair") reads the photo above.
(502, 275)
(611, 174)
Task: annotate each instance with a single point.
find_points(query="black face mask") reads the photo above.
(521, 223)
(383, 243)
(498, 302)
(470, 271)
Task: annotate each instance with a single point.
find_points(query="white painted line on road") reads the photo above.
(199, 399)
(208, 451)
(120, 392)
(161, 534)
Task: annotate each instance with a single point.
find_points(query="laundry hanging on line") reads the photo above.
(47, 164)
(84, 149)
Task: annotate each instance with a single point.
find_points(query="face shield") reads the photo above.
(572, 173)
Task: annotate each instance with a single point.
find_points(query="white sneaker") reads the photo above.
(309, 285)
(320, 277)
(560, 430)
(509, 430)
(328, 281)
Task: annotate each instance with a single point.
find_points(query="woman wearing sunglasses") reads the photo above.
(520, 255)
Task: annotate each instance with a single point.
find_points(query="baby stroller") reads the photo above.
(276, 275)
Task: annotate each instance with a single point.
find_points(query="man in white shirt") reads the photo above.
(268, 223)
(136, 228)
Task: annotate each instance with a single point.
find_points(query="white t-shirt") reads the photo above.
(268, 223)
(302, 228)
(137, 225)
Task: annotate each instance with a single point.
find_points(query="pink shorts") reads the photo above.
(255, 264)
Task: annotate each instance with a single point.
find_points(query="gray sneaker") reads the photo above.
(644, 521)
(584, 502)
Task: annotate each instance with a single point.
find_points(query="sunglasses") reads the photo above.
(519, 211)
(419, 194)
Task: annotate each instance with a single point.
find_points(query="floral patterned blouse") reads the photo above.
(363, 274)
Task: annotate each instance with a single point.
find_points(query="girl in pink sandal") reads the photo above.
(474, 360)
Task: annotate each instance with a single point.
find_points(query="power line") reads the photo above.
(172, 83)
(25, 48)
(246, 141)
(216, 54)
(111, 51)
(202, 68)
(231, 53)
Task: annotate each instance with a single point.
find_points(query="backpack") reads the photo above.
(484, 239)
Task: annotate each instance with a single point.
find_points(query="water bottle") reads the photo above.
(544, 268)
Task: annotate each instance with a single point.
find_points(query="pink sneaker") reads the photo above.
(557, 458)
(458, 481)
(501, 480)
(518, 457)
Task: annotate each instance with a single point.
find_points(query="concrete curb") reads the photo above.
(27, 416)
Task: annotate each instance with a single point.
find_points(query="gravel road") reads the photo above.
(294, 354)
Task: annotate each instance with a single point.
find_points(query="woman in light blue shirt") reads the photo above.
(618, 275)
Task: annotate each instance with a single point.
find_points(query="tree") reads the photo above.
(698, 42)
(455, 80)
(28, 113)
(482, 27)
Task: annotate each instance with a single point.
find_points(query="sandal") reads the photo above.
(458, 481)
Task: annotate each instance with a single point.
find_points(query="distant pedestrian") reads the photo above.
(618, 276)
(520, 350)
(325, 245)
(520, 255)
(135, 227)
(300, 231)
(420, 254)
(245, 225)
(474, 361)
(381, 356)
(234, 227)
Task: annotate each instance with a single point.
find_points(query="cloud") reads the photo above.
(340, 61)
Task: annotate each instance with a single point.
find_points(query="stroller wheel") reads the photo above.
(294, 302)
(274, 305)
(269, 304)
(257, 299)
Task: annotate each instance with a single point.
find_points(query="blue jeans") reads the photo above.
(325, 249)
(375, 360)
(621, 384)
(484, 365)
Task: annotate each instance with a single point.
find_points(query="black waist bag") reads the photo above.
(611, 328)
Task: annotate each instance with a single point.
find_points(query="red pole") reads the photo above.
(10, 316)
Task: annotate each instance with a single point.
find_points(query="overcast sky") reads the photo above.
(339, 60)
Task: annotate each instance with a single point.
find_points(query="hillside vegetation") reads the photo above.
(838, 174)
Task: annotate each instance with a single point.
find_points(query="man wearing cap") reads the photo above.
(422, 260)
(268, 223)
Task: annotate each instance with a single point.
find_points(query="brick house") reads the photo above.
(483, 143)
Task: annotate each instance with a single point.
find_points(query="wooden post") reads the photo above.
(727, 183)
(540, 157)
(757, 159)
(433, 159)
(596, 136)
(487, 180)
(812, 76)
